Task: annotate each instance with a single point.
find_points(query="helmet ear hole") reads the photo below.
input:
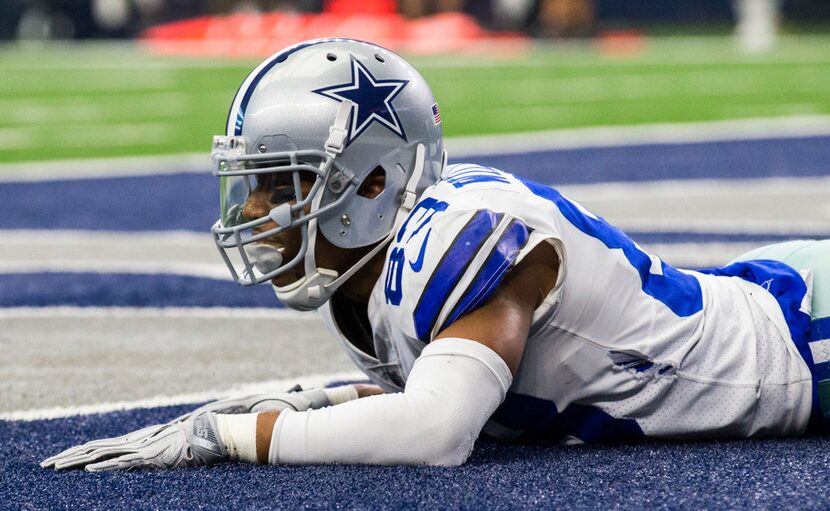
(374, 184)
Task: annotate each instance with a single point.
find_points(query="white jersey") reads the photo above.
(625, 345)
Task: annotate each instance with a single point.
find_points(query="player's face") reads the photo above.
(272, 190)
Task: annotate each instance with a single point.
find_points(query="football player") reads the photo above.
(475, 301)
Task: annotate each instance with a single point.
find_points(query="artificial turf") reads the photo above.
(82, 101)
(746, 474)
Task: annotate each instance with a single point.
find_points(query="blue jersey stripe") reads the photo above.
(450, 269)
(501, 258)
(539, 419)
(679, 291)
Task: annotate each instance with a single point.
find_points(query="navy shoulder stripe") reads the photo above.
(490, 275)
(451, 268)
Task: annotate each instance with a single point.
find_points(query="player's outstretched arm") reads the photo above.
(456, 384)
(194, 438)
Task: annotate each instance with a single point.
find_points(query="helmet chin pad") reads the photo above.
(308, 293)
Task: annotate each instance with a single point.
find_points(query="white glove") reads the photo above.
(192, 442)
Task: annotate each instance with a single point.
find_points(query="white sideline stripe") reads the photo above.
(648, 134)
(460, 147)
(698, 255)
(683, 188)
(51, 238)
(281, 385)
(158, 312)
(106, 167)
(633, 226)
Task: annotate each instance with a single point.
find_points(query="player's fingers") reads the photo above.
(68, 454)
(93, 450)
(81, 459)
(99, 452)
(125, 462)
(50, 461)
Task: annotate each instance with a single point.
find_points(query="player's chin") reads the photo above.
(286, 279)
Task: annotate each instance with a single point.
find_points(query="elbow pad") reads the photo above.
(453, 388)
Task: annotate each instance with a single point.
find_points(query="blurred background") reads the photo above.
(111, 19)
(102, 78)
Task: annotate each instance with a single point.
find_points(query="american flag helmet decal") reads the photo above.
(436, 114)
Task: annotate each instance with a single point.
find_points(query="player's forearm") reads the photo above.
(265, 421)
(452, 390)
(246, 434)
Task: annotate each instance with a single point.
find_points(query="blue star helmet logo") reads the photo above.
(372, 100)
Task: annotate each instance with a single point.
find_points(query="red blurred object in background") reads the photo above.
(257, 35)
(345, 7)
(621, 43)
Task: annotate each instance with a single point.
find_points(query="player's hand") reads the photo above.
(193, 442)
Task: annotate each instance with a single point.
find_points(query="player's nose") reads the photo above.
(255, 207)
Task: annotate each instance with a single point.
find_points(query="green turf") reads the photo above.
(84, 101)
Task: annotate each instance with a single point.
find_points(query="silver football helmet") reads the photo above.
(332, 112)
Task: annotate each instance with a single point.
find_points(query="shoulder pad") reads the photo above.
(445, 263)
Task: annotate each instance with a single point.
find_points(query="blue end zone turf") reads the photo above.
(792, 157)
(191, 202)
(767, 474)
(128, 290)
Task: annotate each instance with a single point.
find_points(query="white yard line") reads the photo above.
(648, 134)
(725, 189)
(177, 252)
(236, 313)
(724, 226)
(698, 255)
(458, 147)
(316, 380)
(58, 237)
(106, 167)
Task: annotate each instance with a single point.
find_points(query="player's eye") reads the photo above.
(283, 195)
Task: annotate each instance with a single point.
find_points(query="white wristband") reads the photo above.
(337, 395)
(238, 433)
